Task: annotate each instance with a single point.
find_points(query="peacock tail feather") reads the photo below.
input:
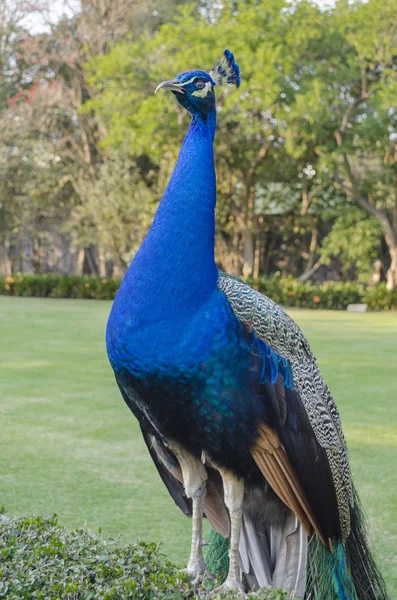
(217, 554)
(368, 581)
(329, 576)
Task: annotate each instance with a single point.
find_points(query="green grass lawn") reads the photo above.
(69, 445)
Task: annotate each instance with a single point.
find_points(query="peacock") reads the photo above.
(230, 401)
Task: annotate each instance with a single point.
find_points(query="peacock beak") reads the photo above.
(171, 86)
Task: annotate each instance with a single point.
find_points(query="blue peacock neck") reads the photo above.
(174, 270)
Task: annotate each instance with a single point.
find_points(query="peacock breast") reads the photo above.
(194, 384)
(148, 343)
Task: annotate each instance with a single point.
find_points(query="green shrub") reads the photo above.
(379, 298)
(335, 295)
(59, 286)
(41, 560)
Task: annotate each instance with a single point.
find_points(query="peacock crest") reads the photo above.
(226, 70)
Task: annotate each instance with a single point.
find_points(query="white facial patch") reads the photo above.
(189, 80)
(204, 92)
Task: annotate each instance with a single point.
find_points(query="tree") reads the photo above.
(250, 151)
(11, 15)
(344, 109)
(367, 130)
(306, 151)
(49, 106)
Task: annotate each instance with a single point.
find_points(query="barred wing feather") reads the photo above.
(280, 332)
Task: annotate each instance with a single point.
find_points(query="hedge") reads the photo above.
(53, 285)
(285, 291)
(335, 295)
(41, 560)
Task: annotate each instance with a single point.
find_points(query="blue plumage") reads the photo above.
(201, 385)
(186, 365)
(172, 336)
(199, 380)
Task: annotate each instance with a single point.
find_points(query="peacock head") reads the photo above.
(195, 89)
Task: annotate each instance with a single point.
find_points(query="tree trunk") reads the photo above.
(102, 262)
(382, 216)
(26, 256)
(305, 199)
(377, 272)
(118, 269)
(307, 274)
(80, 261)
(5, 261)
(354, 192)
(308, 271)
(90, 265)
(226, 255)
(257, 258)
(248, 252)
(391, 241)
(391, 274)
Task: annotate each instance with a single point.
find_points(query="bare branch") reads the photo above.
(339, 133)
(307, 275)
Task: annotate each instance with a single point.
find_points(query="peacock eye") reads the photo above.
(199, 84)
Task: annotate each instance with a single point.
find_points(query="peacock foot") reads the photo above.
(231, 585)
(197, 572)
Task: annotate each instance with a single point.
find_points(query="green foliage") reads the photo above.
(281, 129)
(119, 207)
(59, 286)
(86, 149)
(380, 298)
(355, 241)
(332, 295)
(39, 559)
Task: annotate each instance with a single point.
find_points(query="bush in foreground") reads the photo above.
(41, 560)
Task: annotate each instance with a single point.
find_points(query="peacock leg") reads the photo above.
(194, 481)
(233, 489)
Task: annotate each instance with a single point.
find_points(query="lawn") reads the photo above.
(69, 445)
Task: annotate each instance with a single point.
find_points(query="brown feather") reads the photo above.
(260, 459)
(287, 494)
(215, 508)
(277, 469)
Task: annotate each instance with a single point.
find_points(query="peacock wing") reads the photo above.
(275, 465)
(169, 469)
(170, 472)
(311, 438)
